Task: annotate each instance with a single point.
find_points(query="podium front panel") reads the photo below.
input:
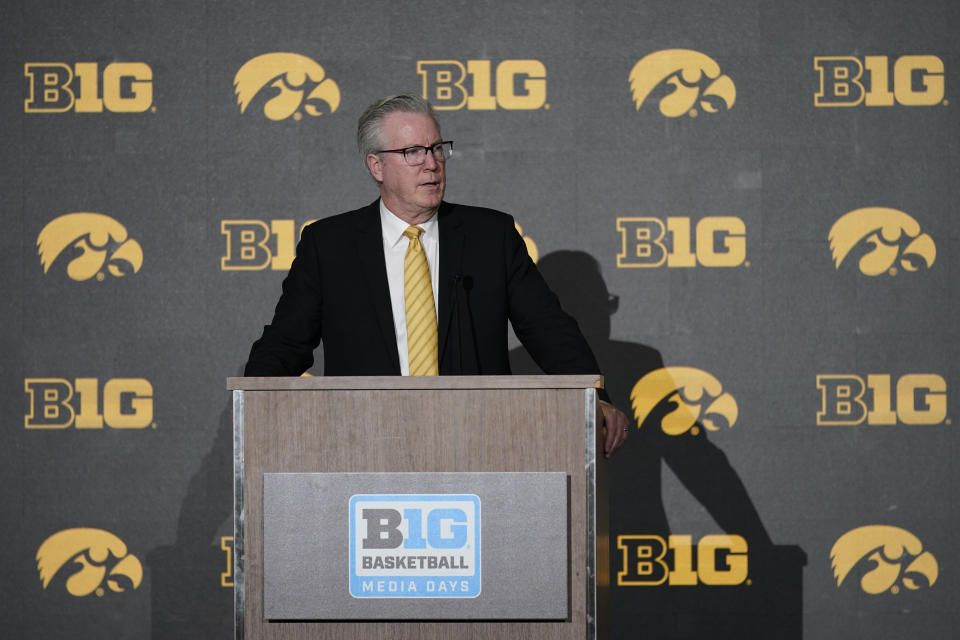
(409, 546)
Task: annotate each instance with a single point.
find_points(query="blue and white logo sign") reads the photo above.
(415, 546)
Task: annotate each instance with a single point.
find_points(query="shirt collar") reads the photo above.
(393, 227)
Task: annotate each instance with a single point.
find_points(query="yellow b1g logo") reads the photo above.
(55, 403)
(256, 245)
(55, 87)
(516, 85)
(846, 81)
(721, 561)
(716, 241)
(848, 400)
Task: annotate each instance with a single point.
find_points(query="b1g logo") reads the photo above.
(649, 561)
(885, 237)
(88, 560)
(848, 400)
(289, 84)
(226, 576)
(718, 241)
(55, 403)
(696, 80)
(846, 81)
(415, 546)
(692, 396)
(55, 87)
(517, 84)
(255, 245)
(94, 244)
(889, 558)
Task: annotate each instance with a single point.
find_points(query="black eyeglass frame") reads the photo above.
(438, 146)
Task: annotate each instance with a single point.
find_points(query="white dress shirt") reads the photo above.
(394, 250)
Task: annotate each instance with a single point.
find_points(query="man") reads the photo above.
(347, 288)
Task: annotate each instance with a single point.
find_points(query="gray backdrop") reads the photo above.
(773, 139)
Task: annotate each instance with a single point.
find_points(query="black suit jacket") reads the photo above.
(337, 292)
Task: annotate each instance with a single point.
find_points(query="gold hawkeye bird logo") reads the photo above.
(696, 80)
(698, 396)
(892, 234)
(295, 84)
(95, 240)
(96, 557)
(896, 558)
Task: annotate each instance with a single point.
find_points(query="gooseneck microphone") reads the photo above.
(462, 285)
(455, 283)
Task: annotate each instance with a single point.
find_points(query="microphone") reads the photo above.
(455, 282)
(458, 282)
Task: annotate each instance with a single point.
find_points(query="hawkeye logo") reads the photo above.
(696, 397)
(519, 85)
(55, 403)
(696, 80)
(846, 81)
(889, 557)
(97, 244)
(55, 87)
(88, 559)
(848, 400)
(718, 241)
(648, 561)
(288, 84)
(894, 236)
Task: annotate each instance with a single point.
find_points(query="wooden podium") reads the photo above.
(497, 424)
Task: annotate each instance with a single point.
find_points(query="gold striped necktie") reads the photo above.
(421, 312)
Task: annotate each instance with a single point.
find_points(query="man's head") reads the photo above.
(412, 191)
(576, 279)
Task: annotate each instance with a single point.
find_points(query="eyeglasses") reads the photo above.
(417, 155)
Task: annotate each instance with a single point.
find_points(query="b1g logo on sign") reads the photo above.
(415, 546)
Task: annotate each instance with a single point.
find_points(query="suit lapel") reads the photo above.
(451, 260)
(373, 268)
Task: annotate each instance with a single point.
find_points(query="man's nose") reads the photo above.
(430, 162)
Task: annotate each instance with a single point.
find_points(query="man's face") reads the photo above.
(412, 193)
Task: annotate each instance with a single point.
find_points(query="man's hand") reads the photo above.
(616, 425)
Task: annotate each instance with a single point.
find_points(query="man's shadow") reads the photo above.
(191, 581)
(768, 604)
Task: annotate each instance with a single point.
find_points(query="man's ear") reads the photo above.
(375, 165)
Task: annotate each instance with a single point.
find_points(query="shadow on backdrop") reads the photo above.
(768, 604)
(188, 599)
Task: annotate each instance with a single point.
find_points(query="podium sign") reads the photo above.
(398, 546)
